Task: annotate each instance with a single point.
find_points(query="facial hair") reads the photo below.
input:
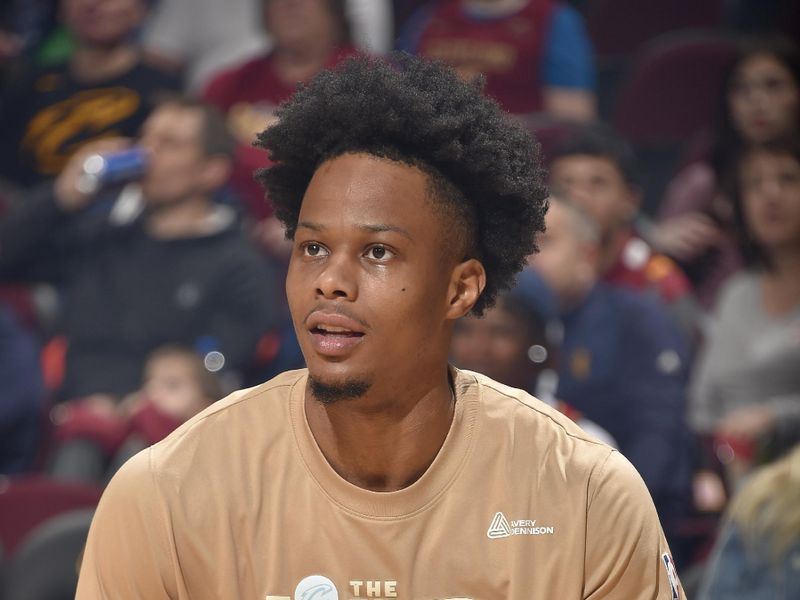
(328, 393)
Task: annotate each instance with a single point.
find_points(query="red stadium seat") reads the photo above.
(25, 502)
(619, 27)
(674, 88)
(53, 548)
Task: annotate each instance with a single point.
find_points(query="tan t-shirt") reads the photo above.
(240, 503)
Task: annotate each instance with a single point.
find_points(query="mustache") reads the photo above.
(335, 310)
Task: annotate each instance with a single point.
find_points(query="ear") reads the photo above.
(466, 284)
(215, 172)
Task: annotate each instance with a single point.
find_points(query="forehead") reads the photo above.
(585, 165)
(762, 63)
(178, 121)
(761, 159)
(355, 189)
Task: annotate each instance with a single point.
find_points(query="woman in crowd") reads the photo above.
(747, 378)
(761, 104)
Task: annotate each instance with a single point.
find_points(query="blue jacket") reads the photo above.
(736, 573)
(21, 395)
(624, 366)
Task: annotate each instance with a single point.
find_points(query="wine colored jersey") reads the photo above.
(508, 51)
(239, 502)
(249, 94)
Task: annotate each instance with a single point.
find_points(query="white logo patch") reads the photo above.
(672, 575)
(316, 587)
(501, 527)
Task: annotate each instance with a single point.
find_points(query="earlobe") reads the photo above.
(466, 286)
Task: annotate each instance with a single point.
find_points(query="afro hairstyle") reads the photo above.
(483, 166)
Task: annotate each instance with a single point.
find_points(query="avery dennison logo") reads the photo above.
(501, 527)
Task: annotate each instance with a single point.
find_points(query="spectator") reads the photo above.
(206, 36)
(623, 363)
(516, 342)
(105, 89)
(756, 554)
(308, 36)
(695, 222)
(175, 387)
(747, 378)
(596, 171)
(181, 272)
(21, 395)
(535, 54)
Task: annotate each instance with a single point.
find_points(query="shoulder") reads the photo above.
(229, 85)
(741, 289)
(537, 423)
(260, 412)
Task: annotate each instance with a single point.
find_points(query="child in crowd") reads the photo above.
(94, 440)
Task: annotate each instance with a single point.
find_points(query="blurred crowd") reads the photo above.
(662, 312)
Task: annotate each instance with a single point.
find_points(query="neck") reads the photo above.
(786, 264)
(90, 63)
(183, 219)
(301, 62)
(611, 247)
(380, 441)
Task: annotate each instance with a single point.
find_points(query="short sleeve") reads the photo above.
(626, 553)
(568, 58)
(128, 553)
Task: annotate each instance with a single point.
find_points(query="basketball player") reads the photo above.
(379, 471)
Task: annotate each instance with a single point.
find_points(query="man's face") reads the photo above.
(171, 136)
(597, 186)
(294, 22)
(564, 261)
(369, 275)
(103, 22)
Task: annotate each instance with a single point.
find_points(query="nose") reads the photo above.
(337, 279)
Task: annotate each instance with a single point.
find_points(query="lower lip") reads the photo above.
(335, 345)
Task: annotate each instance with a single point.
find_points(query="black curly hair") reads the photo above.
(484, 167)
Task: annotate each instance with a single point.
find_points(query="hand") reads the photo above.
(748, 422)
(68, 195)
(687, 236)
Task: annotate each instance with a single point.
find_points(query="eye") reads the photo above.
(313, 249)
(379, 253)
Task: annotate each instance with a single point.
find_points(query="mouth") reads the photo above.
(334, 335)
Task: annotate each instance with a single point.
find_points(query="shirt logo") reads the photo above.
(672, 575)
(501, 527)
(316, 587)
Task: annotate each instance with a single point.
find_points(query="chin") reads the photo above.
(329, 391)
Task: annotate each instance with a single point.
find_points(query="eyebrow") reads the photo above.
(369, 227)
